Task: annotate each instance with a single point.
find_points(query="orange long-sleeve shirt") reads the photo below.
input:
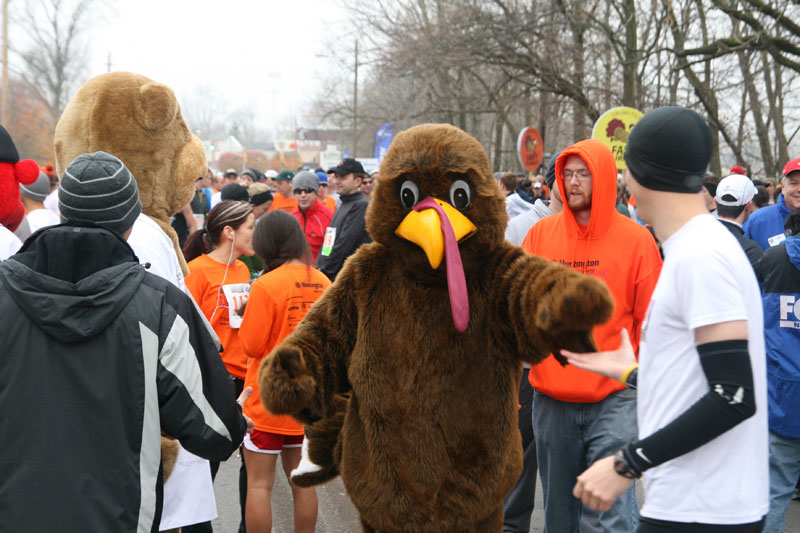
(279, 201)
(204, 280)
(613, 248)
(278, 302)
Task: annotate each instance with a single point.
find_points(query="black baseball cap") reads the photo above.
(348, 166)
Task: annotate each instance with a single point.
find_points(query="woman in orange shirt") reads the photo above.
(217, 279)
(219, 283)
(278, 301)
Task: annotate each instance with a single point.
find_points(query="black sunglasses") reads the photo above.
(301, 190)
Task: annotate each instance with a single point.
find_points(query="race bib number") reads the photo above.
(327, 244)
(236, 294)
(775, 240)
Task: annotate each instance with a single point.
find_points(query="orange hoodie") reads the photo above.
(613, 248)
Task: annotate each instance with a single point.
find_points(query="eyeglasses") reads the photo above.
(581, 175)
(304, 190)
(367, 182)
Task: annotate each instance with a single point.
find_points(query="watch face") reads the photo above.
(622, 468)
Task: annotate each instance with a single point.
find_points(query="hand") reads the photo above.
(241, 400)
(284, 382)
(600, 485)
(610, 364)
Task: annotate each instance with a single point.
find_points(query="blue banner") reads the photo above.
(383, 138)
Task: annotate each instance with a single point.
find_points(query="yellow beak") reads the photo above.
(424, 228)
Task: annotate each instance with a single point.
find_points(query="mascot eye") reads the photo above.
(459, 194)
(409, 194)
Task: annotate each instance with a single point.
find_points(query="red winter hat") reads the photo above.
(791, 166)
(738, 169)
(12, 173)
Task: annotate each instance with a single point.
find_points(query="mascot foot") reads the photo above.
(307, 473)
(321, 451)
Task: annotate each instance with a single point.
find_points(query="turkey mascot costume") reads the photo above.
(406, 372)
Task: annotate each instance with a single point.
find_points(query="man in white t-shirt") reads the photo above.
(702, 409)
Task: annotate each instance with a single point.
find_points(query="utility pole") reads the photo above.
(4, 118)
(355, 107)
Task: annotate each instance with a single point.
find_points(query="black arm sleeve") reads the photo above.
(729, 401)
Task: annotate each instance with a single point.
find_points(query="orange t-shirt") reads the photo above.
(279, 201)
(278, 302)
(329, 202)
(204, 282)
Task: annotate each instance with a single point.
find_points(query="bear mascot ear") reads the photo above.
(157, 106)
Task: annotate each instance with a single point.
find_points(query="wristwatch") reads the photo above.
(624, 468)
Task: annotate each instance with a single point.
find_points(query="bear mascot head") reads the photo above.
(139, 121)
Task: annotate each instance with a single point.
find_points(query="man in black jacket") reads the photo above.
(98, 359)
(347, 230)
(734, 204)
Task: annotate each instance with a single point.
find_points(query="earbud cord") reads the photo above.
(224, 275)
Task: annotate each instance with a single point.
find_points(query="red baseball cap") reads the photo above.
(738, 169)
(792, 166)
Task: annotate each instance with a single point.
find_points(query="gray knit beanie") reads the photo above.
(306, 180)
(98, 188)
(38, 190)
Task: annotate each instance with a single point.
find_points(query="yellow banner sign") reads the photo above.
(613, 128)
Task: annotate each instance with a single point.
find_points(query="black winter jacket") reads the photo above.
(97, 358)
(351, 232)
(751, 248)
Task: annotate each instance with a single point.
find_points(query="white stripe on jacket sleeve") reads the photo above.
(178, 357)
(150, 452)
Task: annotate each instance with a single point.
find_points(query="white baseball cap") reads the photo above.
(735, 190)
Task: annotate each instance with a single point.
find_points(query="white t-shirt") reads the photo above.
(706, 279)
(216, 198)
(41, 218)
(51, 202)
(9, 243)
(152, 245)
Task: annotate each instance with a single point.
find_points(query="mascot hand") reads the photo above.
(569, 313)
(285, 384)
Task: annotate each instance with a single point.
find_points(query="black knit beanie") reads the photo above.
(8, 152)
(669, 150)
(550, 175)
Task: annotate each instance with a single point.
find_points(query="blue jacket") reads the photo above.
(767, 222)
(779, 275)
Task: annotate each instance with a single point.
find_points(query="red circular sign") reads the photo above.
(530, 148)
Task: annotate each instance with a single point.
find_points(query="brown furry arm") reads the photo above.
(550, 307)
(304, 372)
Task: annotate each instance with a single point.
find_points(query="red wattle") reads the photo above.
(456, 281)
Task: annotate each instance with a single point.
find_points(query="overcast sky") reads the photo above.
(232, 45)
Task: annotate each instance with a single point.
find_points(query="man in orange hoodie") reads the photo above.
(579, 417)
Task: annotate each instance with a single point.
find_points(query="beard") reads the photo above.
(579, 203)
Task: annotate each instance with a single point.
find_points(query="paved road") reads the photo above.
(337, 514)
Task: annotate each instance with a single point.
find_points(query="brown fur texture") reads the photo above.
(429, 440)
(139, 121)
(169, 454)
